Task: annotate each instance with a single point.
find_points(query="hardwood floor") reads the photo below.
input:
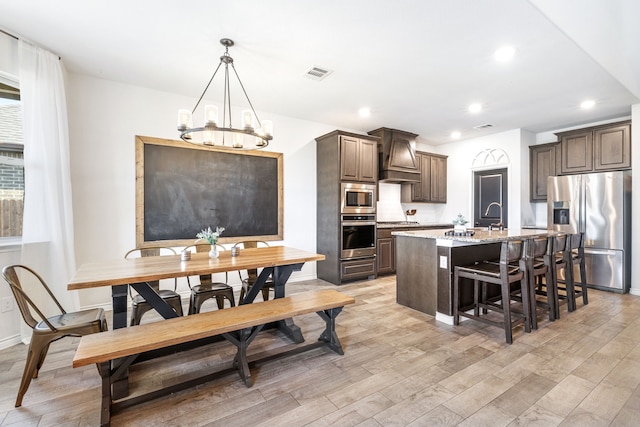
(400, 368)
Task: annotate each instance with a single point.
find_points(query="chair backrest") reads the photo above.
(577, 244)
(537, 247)
(152, 251)
(511, 252)
(201, 246)
(252, 274)
(12, 274)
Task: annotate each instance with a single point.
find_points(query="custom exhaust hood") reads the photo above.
(396, 156)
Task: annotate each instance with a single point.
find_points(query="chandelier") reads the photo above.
(213, 132)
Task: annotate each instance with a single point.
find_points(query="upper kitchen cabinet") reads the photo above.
(542, 164)
(353, 157)
(432, 184)
(396, 156)
(595, 149)
(358, 159)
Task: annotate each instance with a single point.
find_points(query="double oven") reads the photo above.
(357, 220)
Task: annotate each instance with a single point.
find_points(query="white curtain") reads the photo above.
(47, 236)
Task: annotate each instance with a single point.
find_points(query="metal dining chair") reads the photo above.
(139, 306)
(46, 330)
(208, 288)
(252, 273)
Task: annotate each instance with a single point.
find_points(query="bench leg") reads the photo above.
(241, 339)
(280, 275)
(105, 411)
(329, 335)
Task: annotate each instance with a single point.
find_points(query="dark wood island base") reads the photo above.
(425, 261)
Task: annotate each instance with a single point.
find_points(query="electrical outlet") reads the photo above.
(7, 304)
(443, 261)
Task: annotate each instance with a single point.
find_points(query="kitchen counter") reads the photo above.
(426, 261)
(480, 236)
(410, 224)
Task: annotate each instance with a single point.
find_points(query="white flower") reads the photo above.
(209, 235)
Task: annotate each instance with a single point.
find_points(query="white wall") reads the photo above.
(10, 320)
(460, 173)
(105, 116)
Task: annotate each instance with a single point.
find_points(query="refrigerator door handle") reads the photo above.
(599, 251)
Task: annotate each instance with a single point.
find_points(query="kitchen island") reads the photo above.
(426, 260)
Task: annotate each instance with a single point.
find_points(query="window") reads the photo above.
(11, 161)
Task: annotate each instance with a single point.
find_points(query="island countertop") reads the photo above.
(480, 236)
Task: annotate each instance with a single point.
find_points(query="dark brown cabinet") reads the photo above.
(595, 149)
(612, 147)
(358, 159)
(542, 164)
(386, 252)
(341, 156)
(386, 246)
(396, 155)
(432, 187)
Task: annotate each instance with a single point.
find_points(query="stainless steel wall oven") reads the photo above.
(358, 236)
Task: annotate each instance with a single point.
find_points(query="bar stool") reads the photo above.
(503, 274)
(555, 260)
(574, 256)
(536, 251)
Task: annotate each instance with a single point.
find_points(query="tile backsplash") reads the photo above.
(390, 208)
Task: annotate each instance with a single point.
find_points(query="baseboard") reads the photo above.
(10, 341)
(445, 318)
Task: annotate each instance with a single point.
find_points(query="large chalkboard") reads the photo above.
(182, 188)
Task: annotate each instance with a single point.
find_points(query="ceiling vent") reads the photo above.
(317, 73)
(484, 126)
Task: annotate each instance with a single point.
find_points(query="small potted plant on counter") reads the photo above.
(460, 223)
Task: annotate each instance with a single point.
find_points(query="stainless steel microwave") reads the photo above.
(358, 198)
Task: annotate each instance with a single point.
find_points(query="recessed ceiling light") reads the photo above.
(504, 54)
(364, 112)
(475, 108)
(455, 135)
(589, 103)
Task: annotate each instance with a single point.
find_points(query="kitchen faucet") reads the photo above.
(500, 225)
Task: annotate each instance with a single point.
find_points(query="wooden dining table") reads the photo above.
(275, 262)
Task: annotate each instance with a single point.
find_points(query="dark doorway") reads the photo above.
(490, 186)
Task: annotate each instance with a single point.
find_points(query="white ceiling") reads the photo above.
(416, 63)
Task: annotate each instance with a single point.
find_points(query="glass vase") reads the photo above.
(213, 253)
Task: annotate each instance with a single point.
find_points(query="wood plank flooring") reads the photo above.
(400, 368)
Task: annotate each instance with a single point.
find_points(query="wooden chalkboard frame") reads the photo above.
(142, 141)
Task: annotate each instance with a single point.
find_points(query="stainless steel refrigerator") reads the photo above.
(598, 204)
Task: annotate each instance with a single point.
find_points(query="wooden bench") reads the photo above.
(114, 351)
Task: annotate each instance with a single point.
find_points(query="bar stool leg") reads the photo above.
(529, 319)
(583, 282)
(571, 290)
(456, 298)
(506, 310)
